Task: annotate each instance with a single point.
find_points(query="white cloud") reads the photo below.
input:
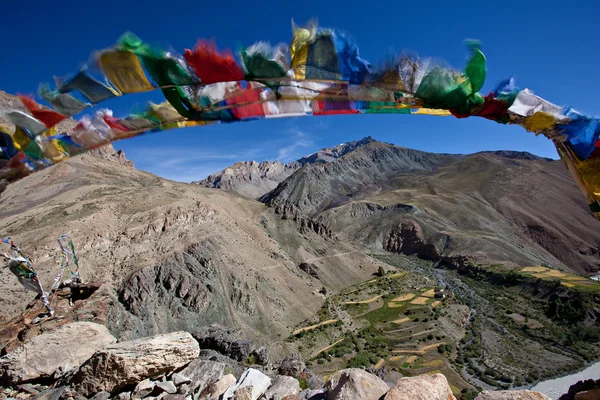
(290, 153)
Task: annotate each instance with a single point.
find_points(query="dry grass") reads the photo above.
(405, 297)
(364, 301)
(534, 269)
(397, 275)
(310, 328)
(395, 305)
(433, 363)
(396, 358)
(436, 303)
(567, 284)
(411, 359)
(431, 346)
(420, 300)
(380, 363)
(401, 320)
(429, 293)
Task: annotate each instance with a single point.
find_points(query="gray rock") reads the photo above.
(244, 393)
(310, 269)
(282, 385)
(319, 394)
(216, 337)
(219, 387)
(144, 388)
(240, 349)
(27, 388)
(52, 354)
(168, 387)
(423, 387)
(252, 377)
(50, 394)
(312, 381)
(101, 396)
(183, 389)
(180, 379)
(124, 396)
(261, 356)
(126, 363)
(291, 366)
(174, 397)
(203, 372)
(354, 383)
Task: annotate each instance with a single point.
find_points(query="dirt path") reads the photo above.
(310, 328)
(421, 351)
(364, 301)
(327, 348)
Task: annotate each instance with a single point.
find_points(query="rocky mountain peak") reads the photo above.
(329, 154)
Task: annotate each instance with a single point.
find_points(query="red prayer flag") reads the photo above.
(212, 66)
(47, 117)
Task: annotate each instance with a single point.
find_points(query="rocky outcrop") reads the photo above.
(291, 366)
(119, 365)
(354, 383)
(511, 395)
(424, 387)
(310, 269)
(52, 354)
(109, 153)
(583, 390)
(305, 224)
(408, 239)
(250, 178)
(216, 389)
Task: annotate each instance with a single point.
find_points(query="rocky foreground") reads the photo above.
(83, 360)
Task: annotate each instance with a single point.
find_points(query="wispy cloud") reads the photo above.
(291, 152)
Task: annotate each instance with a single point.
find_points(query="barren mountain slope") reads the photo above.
(493, 207)
(171, 255)
(253, 179)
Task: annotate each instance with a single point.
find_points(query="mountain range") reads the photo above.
(490, 207)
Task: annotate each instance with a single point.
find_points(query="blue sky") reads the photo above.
(549, 46)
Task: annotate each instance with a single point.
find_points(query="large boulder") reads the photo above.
(424, 387)
(291, 366)
(511, 395)
(202, 373)
(354, 383)
(123, 364)
(251, 378)
(283, 386)
(52, 354)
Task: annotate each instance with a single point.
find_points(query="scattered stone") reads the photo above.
(203, 373)
(101, 396)
(354, 383)
(52, 354)
(118, 365)
(252, 377)
(261, 356)
(183, 389)
(282, 386)
(168, 387)
(320, 394)
(424, 387)
(216, 389)
(144, 388)
(27, 388)
(291, 366)
(511, 395)
(50, 394)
